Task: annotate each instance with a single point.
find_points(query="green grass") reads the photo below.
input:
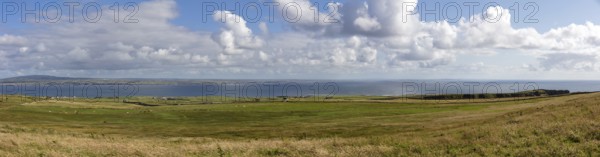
(372, 126)
(235, 120)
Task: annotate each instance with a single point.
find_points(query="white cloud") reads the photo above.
(23, 49)
(368, 55)
(11, 39)
(235, 36)
(365, 22)
(263, 56)
(264, 28)
(300, 14)
(78, 54)
(573, 37)
(380, 18)
(41, 47)
(495, 31)
(151, 43)
(377, 36)
(570, 61)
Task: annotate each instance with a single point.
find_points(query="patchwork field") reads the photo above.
(566, 125)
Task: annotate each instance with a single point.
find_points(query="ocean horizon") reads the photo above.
(295, 88)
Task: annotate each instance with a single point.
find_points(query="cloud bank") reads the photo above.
(379, 37)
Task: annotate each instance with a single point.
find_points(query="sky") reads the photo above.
(302, 39)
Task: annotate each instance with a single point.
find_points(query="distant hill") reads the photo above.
(38, 78)
(56, 79)
(147, 81)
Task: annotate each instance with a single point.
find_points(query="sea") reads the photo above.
(296, 88)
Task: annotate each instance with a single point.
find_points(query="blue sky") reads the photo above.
(550, 14)
(370, 41)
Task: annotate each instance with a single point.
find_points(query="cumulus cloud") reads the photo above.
(376, 35)
(386, 33)
(570, 61)
(573, 37)
(300, 14)
(151, 43)
(367, 24)
(234, 36)
(23, 49)
(368, 18)
(367, 55)
(381, 17)
(493, 29)
(364, 21)
(264, 28)
(11, 39)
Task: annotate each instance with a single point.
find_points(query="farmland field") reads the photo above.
(567, 125)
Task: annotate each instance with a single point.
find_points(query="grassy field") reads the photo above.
(344, 126)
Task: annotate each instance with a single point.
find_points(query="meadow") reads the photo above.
(566, 125)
